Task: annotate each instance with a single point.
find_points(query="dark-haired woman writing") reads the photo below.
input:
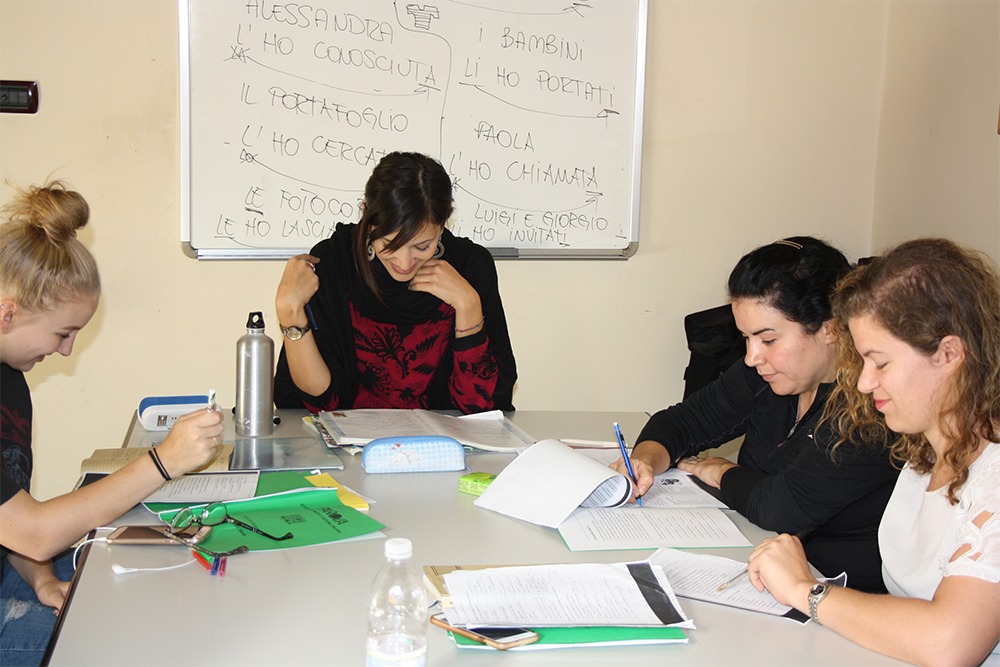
(395, 311)
(787, 477)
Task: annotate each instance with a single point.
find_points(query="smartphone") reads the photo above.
(193, 534)
(498, 638)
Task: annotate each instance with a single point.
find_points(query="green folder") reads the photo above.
(285, 502)
(598, 635)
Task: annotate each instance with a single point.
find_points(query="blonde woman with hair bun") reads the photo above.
(49, 291)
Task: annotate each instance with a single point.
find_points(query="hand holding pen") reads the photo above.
(628, 462)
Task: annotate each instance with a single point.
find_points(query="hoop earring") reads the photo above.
(439, 253)
(371, 252)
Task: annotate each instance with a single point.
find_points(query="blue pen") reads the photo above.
(312, 320)
(628, 463)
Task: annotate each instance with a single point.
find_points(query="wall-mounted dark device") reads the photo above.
(18, 96)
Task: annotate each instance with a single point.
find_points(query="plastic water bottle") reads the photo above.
(254, 380)
(397, 613)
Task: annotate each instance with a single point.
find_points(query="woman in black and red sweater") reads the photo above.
(395, 311)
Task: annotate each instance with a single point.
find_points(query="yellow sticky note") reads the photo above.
(323, 480)
(348, 497)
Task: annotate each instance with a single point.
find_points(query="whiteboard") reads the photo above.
(533, 106)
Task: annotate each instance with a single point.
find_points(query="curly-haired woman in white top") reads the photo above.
(925, 362)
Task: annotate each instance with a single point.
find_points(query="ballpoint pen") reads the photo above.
(628, 463)
(312, 320)
(723, 586)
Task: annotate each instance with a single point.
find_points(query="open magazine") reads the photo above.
(489, 431)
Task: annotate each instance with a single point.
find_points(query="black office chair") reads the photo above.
(715, 344)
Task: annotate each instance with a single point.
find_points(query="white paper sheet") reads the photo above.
(549, 480)
(558, 595)
(649, 528)
(207, 487)
(699, 576)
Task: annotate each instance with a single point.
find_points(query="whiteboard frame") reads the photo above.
(184, 65)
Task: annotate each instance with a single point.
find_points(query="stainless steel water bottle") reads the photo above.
(254, 380)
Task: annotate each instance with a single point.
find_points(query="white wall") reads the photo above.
(762, 120)
(939, 149)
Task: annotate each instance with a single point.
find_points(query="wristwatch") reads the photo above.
(816, 595)
(294, 333)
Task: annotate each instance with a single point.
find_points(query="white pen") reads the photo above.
(211, 400)
(603, 444)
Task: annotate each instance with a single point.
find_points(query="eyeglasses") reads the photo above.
(213, 515)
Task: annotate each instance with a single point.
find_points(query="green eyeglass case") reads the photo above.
(413, 453)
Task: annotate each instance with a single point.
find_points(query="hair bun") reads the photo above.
(53, 209)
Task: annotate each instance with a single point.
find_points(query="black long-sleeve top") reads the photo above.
(787, 479)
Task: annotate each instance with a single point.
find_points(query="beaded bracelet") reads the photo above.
(474, 326)
(159, 464)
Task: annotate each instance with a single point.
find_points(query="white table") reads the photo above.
(308, 606)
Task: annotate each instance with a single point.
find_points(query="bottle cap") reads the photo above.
(398, 548)
(255, 320)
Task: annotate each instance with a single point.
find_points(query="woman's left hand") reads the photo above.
(52, 593)
(709, 471)
(440, 278)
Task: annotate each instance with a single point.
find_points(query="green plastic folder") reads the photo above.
(314, 516)
(601, 635)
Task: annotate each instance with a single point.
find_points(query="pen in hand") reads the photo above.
(628, 463)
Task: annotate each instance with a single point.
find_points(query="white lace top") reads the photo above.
(921, 531)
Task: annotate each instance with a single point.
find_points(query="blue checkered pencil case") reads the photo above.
(413, 453)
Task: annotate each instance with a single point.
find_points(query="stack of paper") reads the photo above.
(568, 604)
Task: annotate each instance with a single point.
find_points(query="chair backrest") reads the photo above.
(715, 344)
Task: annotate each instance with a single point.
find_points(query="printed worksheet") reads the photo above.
(676, 488)
(207, 487)
(715, 579)
(722, 581)
(596, 529)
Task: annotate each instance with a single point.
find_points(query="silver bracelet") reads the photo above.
(473, 327)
